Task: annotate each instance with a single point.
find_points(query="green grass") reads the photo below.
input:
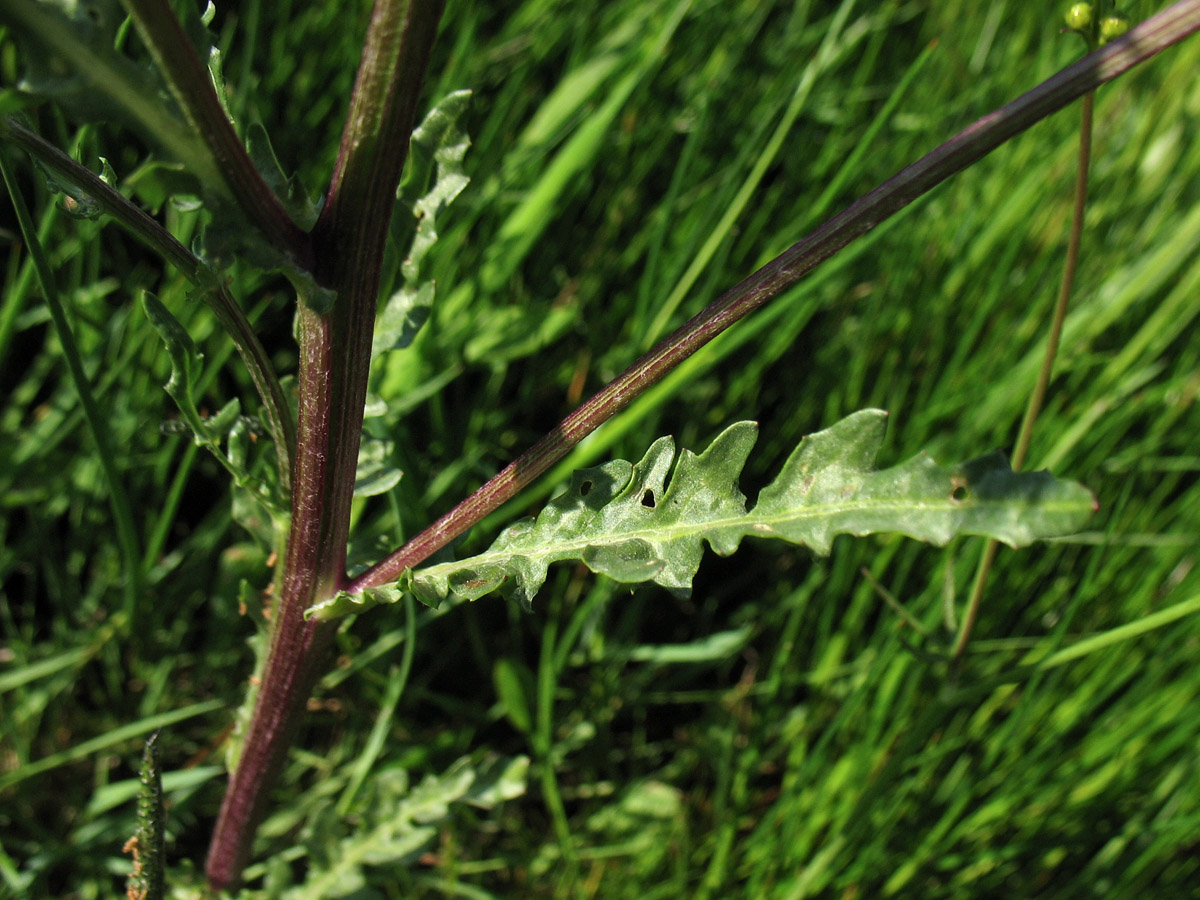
(616, 188)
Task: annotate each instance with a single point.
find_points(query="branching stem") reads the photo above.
(335, 354)
(971, 145)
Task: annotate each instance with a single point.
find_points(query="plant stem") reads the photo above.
(335, 349)
(969, 146)
(192, 87)
(335, 353)
(1038, 396)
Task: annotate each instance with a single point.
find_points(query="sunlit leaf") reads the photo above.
(437, 150)
(650, 521)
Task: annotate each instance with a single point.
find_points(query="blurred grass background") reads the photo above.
(629, 162)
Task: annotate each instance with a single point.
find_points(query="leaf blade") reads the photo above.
(649, 521)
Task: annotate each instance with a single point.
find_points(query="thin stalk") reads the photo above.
(109, 200)
(97, 420)
(210, 287)
(335, 353)
(192, 87)
(1149, 38)
(1037, 397)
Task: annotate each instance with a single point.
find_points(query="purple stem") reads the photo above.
(335, 352)
(1146, 40)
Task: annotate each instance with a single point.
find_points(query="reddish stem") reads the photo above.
(192, 88)
(1151, 37)
(348, 245)
(335, 350)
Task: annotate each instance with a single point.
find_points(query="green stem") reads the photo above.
(1038, 396)
(14, 300)
(543, 743)
(971, 145)
(97, 420)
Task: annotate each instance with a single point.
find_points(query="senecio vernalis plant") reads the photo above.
(635, 522)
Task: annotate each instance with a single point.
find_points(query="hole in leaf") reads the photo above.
(648, 499)
(585, 488)
(960, 493)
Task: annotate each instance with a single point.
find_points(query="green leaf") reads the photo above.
(438, 143)
(508, 333)
(290, 191)
(514, 684)
(376, 473)
(403, 316)
(401, 821)
(561, 175)
(721, 645)
(256, 513)
(442, 136)
(71, 58)
(185, 362)
(649, 521)
(256, 504)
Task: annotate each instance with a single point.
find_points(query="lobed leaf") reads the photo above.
(438, 142)
(402, 820)
(650, 521)
(257, 504)
(289, 190)
(186, 361)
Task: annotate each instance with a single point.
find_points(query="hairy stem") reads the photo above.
(335, 353)
(971, 145)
